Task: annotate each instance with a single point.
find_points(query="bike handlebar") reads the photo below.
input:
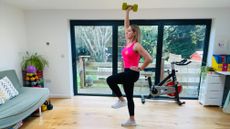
(182, 62)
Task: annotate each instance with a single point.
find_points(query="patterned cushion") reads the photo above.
(8, 89)
(1, 101)
(3, 95)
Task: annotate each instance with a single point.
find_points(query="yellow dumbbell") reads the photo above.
(134, 7)
(44, 107)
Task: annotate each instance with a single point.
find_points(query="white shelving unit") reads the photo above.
(211, 89)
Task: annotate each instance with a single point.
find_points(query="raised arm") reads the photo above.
(127, 22)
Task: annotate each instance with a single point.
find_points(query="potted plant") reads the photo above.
(32, 67)
(34, 60)
(205, 70)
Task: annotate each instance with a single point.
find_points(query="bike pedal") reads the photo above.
(154, 91)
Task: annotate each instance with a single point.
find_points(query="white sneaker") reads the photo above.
(119, 104)
(129, 123)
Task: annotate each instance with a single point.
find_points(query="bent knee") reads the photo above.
(109, 80)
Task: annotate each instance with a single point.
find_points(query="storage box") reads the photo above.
(221, 62)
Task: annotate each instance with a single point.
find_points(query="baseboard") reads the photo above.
(64, 96)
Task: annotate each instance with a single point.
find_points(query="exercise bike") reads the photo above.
(169, 85)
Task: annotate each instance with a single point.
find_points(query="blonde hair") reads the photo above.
(137, 30)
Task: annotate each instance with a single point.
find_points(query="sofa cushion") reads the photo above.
(11, 74)
(23, 102)
(8, 87)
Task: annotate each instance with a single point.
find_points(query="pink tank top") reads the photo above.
(130, 57)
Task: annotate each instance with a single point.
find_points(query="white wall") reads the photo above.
(53, 27)
(32, 30)
(12, 38)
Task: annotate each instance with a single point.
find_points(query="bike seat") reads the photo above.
(147, 74)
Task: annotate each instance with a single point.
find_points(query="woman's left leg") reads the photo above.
(128, 88)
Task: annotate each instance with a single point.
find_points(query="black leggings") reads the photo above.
(127, 78)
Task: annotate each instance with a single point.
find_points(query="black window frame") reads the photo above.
(116, 23)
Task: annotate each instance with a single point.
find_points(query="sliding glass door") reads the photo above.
(97, 45)
(185, 42)
(94, 61)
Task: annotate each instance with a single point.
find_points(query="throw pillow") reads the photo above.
(8, 86)
(1, 101)
(3, 95)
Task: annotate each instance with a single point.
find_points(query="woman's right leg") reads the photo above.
(113, 82)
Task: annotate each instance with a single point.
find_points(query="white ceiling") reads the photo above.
(115, 4)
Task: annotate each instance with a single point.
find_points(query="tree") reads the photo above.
(183, 40)
(95, 39)
(149, 38)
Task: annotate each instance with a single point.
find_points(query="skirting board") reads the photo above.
(64, 96)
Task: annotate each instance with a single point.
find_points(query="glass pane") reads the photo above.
(185, 41)
(149, 42)
(94, 63)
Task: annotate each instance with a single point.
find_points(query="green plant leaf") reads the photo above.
(35, 60)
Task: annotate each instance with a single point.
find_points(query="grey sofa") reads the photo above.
(20, 107)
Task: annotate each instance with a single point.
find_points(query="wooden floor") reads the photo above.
(84, 112)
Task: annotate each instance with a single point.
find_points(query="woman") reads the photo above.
(131, 56)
